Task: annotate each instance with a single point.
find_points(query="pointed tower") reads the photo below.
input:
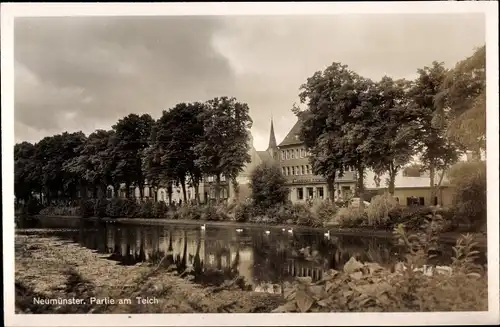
(272, 147)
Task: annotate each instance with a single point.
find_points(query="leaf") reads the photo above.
(357, 275)
(324, 303)
(287, 307)
(317, 291)
(289, 294)
(352, 266)
(329, 286)
(304, 301)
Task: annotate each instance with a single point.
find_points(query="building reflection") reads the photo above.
(215, 255)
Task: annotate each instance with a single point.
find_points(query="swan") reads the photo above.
(290, 231)
(239, 230)
(267, 232)
(283, 229)
(203, 227)
(327, 234)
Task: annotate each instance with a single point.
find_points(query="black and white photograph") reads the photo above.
(296, 163)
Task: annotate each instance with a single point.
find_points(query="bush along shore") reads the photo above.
(382, 214)
(412, 285)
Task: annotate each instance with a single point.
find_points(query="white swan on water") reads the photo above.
(267, 232)
(203, 227)
(327, 234)
(290, 231)
(239, 230)
(283, 230)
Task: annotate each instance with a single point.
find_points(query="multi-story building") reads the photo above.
(292, 157)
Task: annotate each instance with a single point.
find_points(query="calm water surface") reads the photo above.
(221, 253)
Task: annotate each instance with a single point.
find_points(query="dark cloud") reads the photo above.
(85, 73)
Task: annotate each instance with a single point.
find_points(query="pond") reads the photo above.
(218, 253)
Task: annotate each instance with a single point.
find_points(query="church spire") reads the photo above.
(272, 137)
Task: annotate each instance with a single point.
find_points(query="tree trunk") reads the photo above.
(236, 188)
(361, 187)
(331, 188)
(127, 190)
(196, 186)
(217, 188)
(432, 177)
(392, 179)
(116, 190)
(170, 191)
(184, 193)
(440, 197)
(141, 191)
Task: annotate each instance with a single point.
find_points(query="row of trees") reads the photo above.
(187, 142)
(352, 121)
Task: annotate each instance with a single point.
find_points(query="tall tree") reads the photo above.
(54, 152)
(392, 132)
(437, 151)
(223, 150)
(131, 138)
(339, 106)
(179, 130)
(463, 100)
(268, 186)
(26, 168)
(94, 163)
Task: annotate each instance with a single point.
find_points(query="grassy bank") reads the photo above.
(49, 268)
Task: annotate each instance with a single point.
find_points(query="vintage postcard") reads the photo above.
(238, 164)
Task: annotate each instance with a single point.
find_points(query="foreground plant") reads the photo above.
(411, 286)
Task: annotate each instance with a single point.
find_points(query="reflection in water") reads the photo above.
(214, 255)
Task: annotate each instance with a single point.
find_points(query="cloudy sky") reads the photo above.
(85, 73)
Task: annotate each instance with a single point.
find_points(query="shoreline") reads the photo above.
(98, 284)
(448, 237)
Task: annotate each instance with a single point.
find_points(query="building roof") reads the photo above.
(272, 137)
(292, 137)
(265, 156)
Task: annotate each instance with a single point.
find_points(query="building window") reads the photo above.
(283, 170)
(288, 171)
(298, 170)
(421, 201)
(293, 170)
(292, 154)
(223, 178)
(302, 153)
(300, 193)
(282, 155)
(310, 192)
(435, 200)
(320, 192)
(309, 170)
(297, 154)
(302, 170)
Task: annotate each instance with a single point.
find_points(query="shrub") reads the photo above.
(160, 209)
(351, 217)
(469, 201)
(32, 207)
(378, 210)
(86, 208)
(100, 208)
(145, 209)
(122, 208)
(214, 212)
(325, 211)
(268, 186)
(190, 212)
(302, 215)
(370, 287)
(243, 212)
